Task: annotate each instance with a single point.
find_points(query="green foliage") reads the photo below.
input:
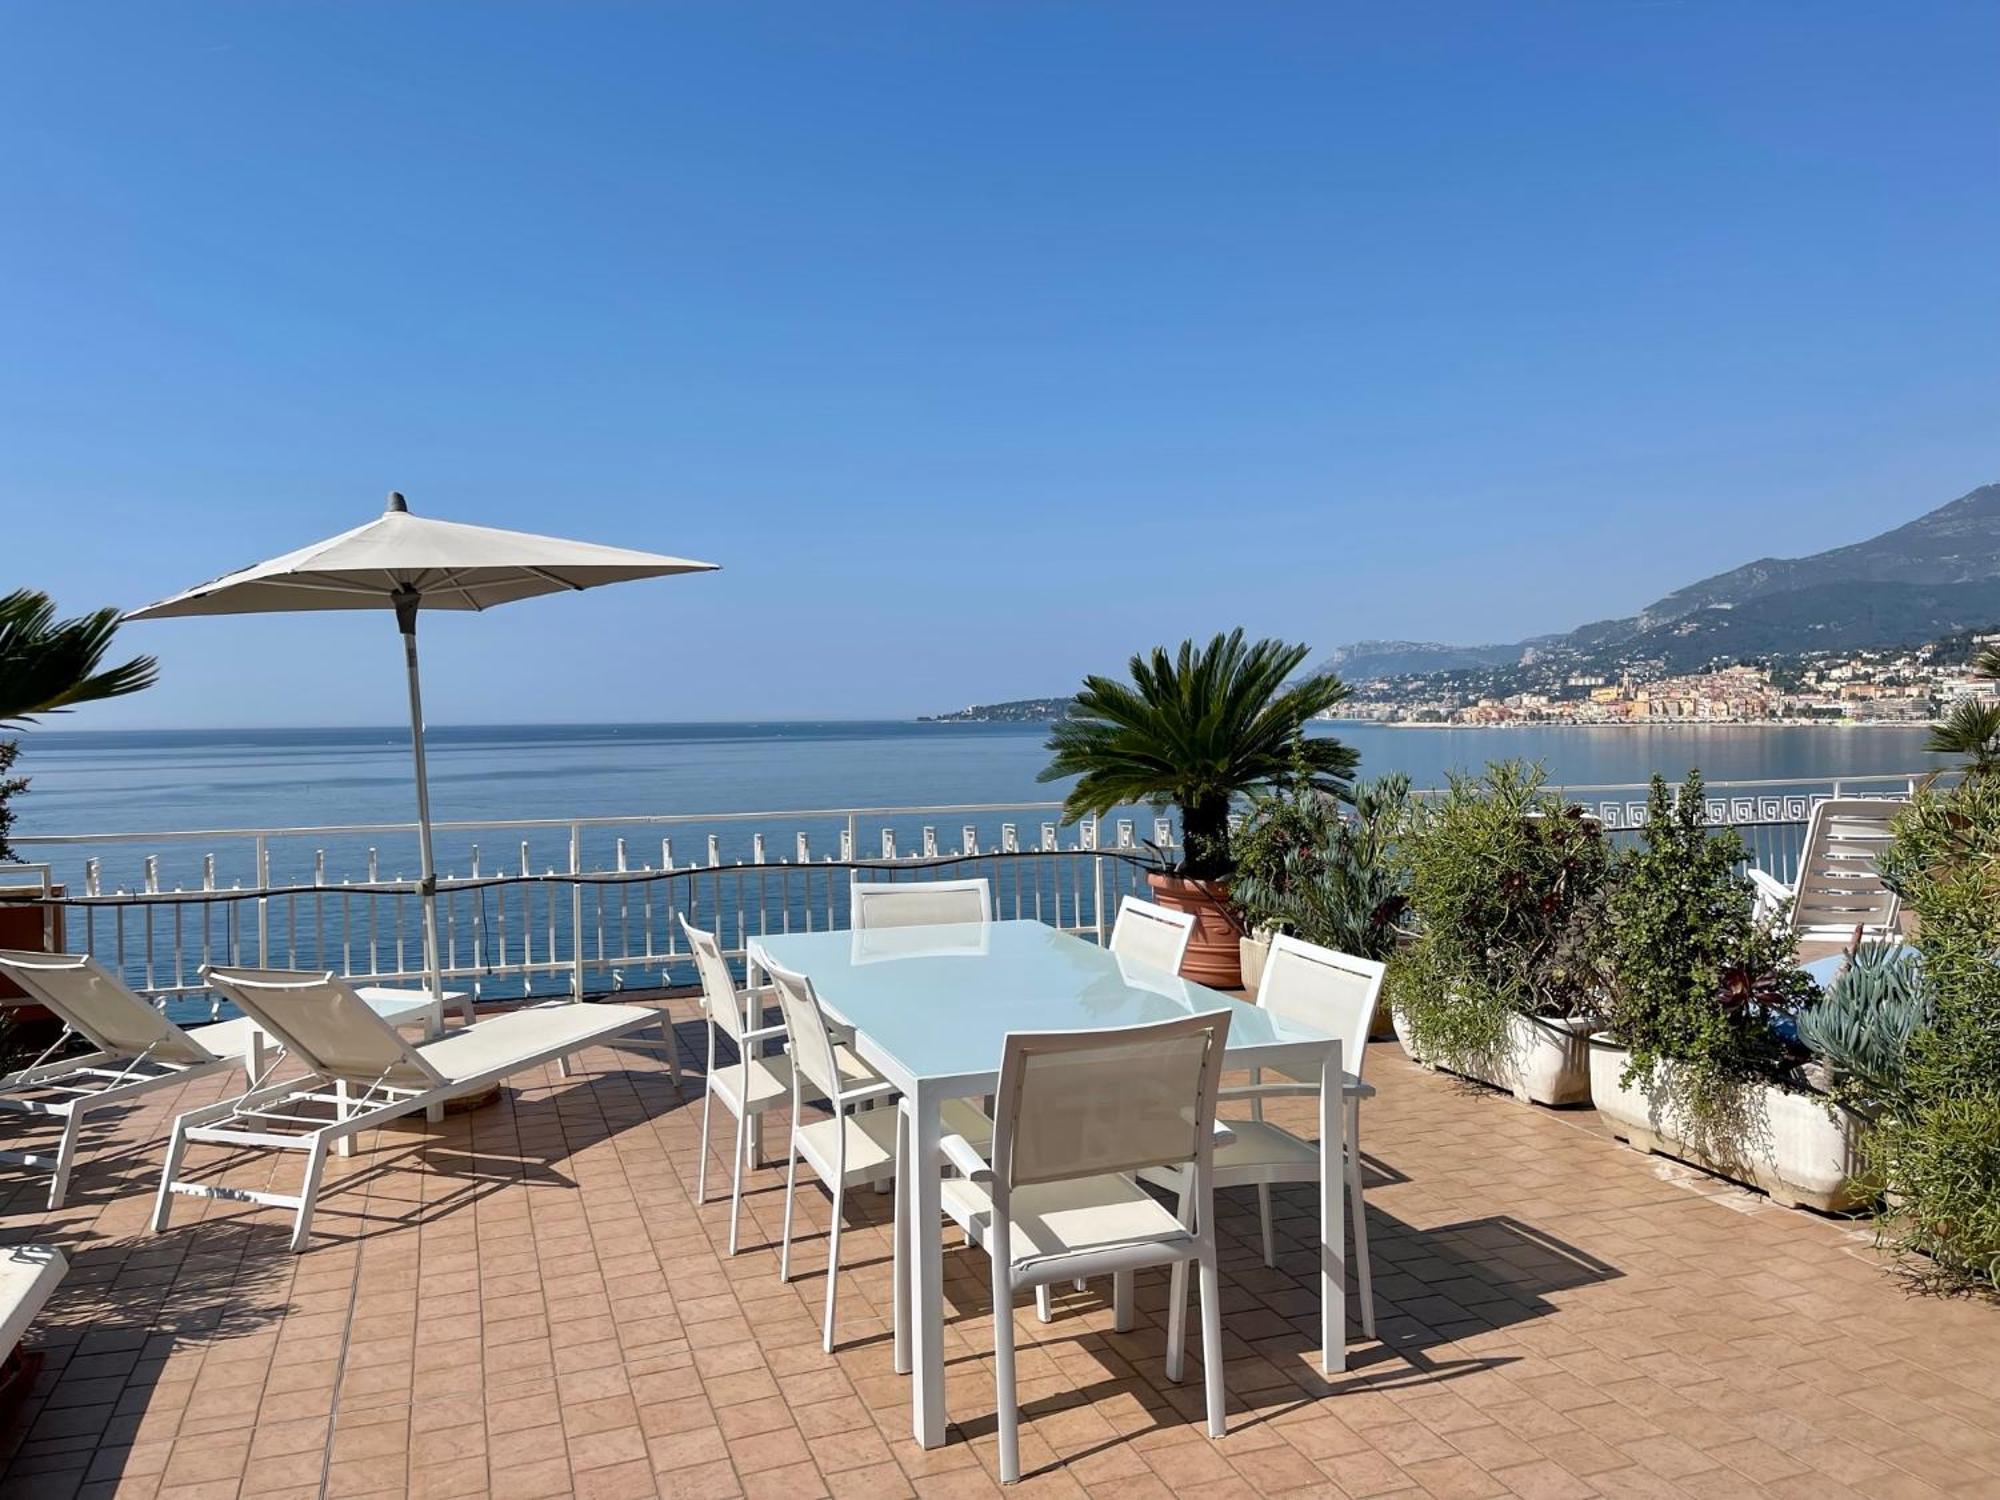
(1696, 978)
(49, 665)
(1197, 729)
(10, 788)
(1939, 1151)
(1972, 729)
(1304, 868)
(1507, 889)
(1861, 1030)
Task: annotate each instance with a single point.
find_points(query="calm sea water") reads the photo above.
(99, 782)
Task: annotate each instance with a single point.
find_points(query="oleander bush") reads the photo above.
(1938, 1150)
(1506, 893)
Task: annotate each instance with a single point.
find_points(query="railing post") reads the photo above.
(263, 902)
(576, 910)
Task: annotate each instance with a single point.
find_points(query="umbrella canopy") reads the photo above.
(403, 562)
(447, 564)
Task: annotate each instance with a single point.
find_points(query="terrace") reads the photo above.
(526, 1300)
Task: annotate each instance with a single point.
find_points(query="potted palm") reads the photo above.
(1197, 729)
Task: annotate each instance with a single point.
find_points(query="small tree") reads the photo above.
(1972, 729)
(50, 666)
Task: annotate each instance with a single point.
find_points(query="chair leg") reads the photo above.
(701, 1170)
(1177, 1322)
(671, 1045)
(832, 1267)
(1211, 1341)
(1005, 1403)
(1264, 1223)
(346, 1146)
(1122, 1287)
(562, 1066)
(791, 1191)
(1045, 1304)
(65, 1157)
(736, 1182)
(309, 1194)
(1357, 1213)
(163, 1204)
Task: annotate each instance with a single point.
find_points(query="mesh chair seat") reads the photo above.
(1056, 1220)
(871, 1140)
(762, 1083)
(1259, 1144)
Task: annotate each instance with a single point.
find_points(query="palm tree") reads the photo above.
(1973, 728)
(49, 666)
(1197, 729)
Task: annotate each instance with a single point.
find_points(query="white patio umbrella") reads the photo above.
(403, 562)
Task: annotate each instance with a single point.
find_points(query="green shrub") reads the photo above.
(1939, 1152)
(1696, 979)
(1304, 868)
(1506, 890)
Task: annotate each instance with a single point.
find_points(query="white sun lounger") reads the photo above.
(1839, 890)
(366, 1075)
(137, 1051)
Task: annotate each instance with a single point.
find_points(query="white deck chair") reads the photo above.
(919, 903)
(137, 1051)
(364, 1072)
(1334, 994)
(756, 1082)
(1840, 887)
(1078, 1113)
(846, 1150)
(1151, 935)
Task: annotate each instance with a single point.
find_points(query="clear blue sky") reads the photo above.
(981, 343)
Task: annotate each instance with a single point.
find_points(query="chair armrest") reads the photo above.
(1224, 1136)
(868, 1091)
(763, 1033)
(962, 1154)
(1350, 1086)
(1772, 894)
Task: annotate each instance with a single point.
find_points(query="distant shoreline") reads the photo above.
(1843, 724)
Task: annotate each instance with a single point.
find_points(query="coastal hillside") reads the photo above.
(1923, 580)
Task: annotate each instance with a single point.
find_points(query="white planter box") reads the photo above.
(1796, 1147)
(1546, 1062)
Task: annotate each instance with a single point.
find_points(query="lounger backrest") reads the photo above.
(1840, 886)
(1151, 934)
(101, 1006)
(919, 903)
(1086, 1103)
(719, 996)
(325, 1025)
(1330, 992)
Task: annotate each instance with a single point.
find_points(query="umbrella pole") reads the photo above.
(407, 600)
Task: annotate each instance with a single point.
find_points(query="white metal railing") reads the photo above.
(576, 904)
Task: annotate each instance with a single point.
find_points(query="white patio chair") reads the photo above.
(757, 1082)
(1151, 935)
(919, 903)
(1078, 1114)
(137, 1051)
(364, 1072)
(1334, 994)
(1839, 887)
(845, 1150)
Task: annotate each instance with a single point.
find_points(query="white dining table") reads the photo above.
(930, 1008)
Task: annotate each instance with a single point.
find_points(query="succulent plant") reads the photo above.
(1861, 1030)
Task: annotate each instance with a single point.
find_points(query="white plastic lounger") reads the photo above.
(364, 1073)
(138, 1050)
(1840, 891)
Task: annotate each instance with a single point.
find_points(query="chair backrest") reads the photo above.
(325, 1025)
(1152, 934)
(1840, 885)
(99, 1005)
(719, 995)
(1086, 1103)
(1333, 993)
(919, 903)
(806, 1036)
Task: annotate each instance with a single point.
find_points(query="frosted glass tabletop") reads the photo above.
(936, 1003)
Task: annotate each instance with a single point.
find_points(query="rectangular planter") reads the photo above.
(1547, 1062)
(1797, 1147)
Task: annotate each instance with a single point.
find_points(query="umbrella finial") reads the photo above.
(397, 504)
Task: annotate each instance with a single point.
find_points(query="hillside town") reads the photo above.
(1893, 685)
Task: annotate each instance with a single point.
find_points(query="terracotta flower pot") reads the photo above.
(1212, 956)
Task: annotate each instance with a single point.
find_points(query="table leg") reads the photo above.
(926, 1256)
(1332, 1223)
(900, 1233)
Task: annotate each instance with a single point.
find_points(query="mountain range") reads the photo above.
(1928, 578)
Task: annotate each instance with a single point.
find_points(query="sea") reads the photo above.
(151, 782)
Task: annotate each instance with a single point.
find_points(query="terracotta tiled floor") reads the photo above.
(526, 1302)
